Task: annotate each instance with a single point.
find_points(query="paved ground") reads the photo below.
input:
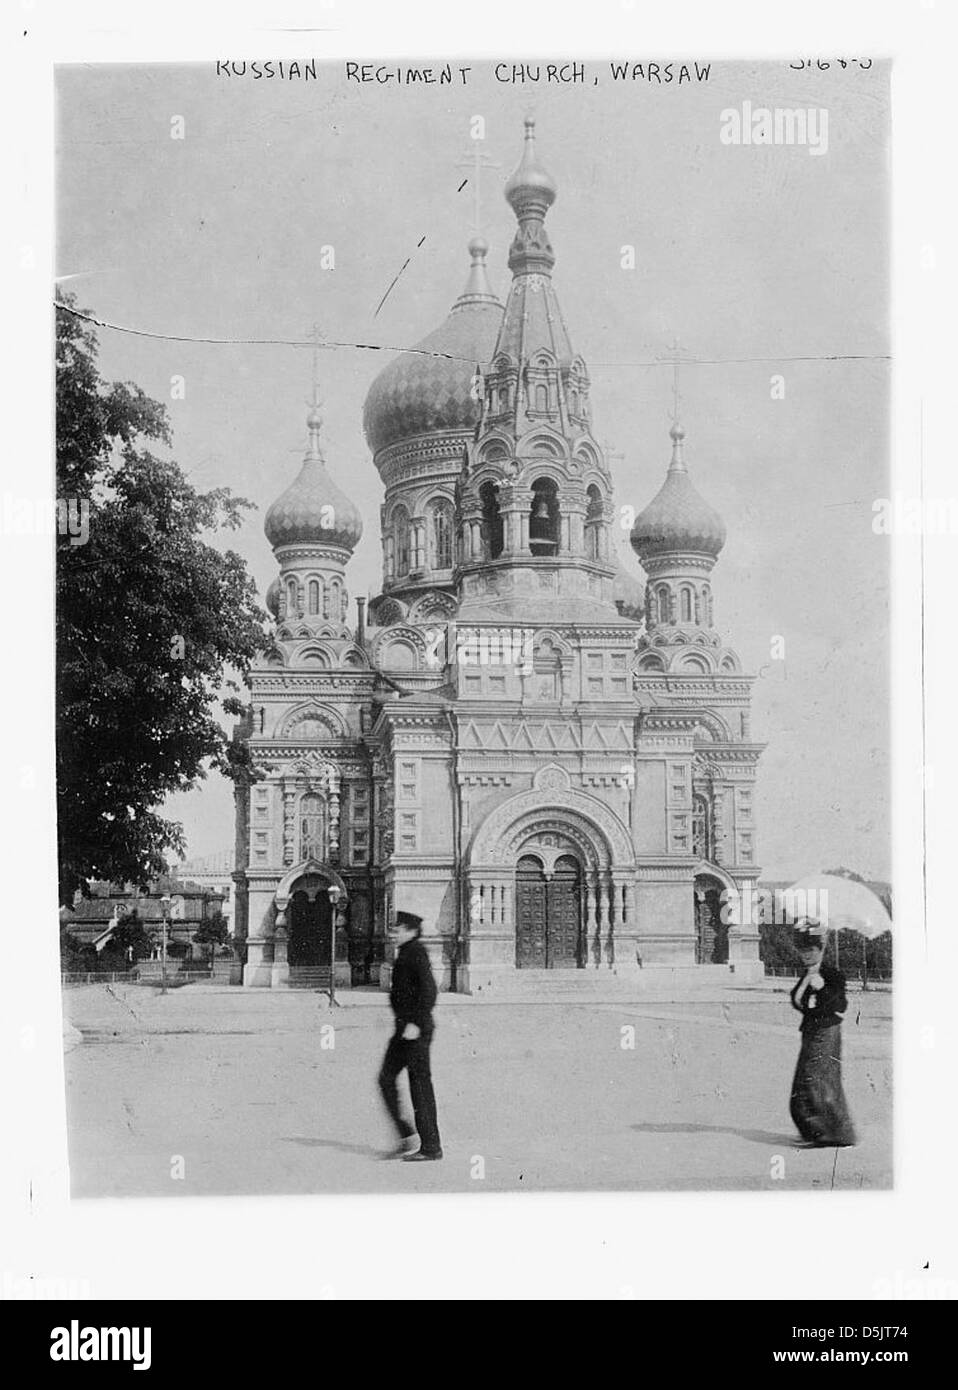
(238, 1087)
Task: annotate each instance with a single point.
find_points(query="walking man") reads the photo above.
(412, 997)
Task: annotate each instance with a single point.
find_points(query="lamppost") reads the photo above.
(335, 894)
(165, 904)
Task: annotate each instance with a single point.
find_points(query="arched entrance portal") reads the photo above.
(711, 933)
(310, 926)
(549, 915)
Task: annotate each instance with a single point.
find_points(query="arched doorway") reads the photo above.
(309, 916)
(711, 933)
(549, 915)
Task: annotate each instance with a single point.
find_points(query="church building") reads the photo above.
(547, 761)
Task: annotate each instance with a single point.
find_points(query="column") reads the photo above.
(513, 532)
(279, 974)
(576, 534)
(591, 926)
(615, 920)
(603, 929)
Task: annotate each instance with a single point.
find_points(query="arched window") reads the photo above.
(593, 520)
(542, 398)
(441, 536)
(390, 557)
(544, 518)
(401, 530)
(292, 596)
(332, 603)
(314, 596)
(707, 605)
(311, 827)
(491, 520)
(701, 827)
(686, 605)
(665, 604)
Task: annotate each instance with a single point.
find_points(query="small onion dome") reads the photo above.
(628, 593)
(272, 597)
(313, 511)
(531, 184)
(677, 519)
(419, 393)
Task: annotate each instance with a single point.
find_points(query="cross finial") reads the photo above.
(317, 337)
(314, 417)
(676, 350)
(477, 161)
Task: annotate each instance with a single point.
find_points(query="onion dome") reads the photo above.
(272, 597)
(313, 510)
(530, 193)
(531, 185)
(678, 519)
(628, 593)
(432, 388)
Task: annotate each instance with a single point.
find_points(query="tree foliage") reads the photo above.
(212, 932)
(155, 625)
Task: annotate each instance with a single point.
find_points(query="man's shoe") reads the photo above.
(423, 1157)
(407, 1149)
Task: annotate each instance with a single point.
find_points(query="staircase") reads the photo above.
(309, 977)
(595, 985)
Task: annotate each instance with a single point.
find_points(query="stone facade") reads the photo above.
(552, 769)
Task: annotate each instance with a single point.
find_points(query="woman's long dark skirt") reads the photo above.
(818, 1105)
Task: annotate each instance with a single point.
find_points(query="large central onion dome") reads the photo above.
(313, 510)
(418, 393)
(678, 519)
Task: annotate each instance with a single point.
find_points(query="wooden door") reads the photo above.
(530, 915)
(564, 916)
(309, 930)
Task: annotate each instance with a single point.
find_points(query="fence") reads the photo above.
(151, 973)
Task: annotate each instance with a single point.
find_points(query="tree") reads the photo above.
(74, 955)
(130, 942)
(154, 625)
(213, 932)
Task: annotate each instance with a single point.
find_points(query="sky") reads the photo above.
(760, 261)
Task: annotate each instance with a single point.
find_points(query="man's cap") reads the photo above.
(408, 919)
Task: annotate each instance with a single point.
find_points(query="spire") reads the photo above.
(677, 464)
(530, 193)
(478, 289)
(314, 416)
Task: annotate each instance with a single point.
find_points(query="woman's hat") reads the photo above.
(805, 933)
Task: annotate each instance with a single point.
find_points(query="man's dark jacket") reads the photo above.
(413, 991)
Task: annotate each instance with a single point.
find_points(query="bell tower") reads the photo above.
(535, 496)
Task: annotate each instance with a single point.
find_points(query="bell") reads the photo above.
(541, 512)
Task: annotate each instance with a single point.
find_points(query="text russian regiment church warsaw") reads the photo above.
(550, 766)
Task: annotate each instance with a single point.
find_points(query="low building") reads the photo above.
(191, 904)
(213, 871)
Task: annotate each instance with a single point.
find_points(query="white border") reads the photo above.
(739, 1246)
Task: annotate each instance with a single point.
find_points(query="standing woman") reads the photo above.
(818, 1105)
